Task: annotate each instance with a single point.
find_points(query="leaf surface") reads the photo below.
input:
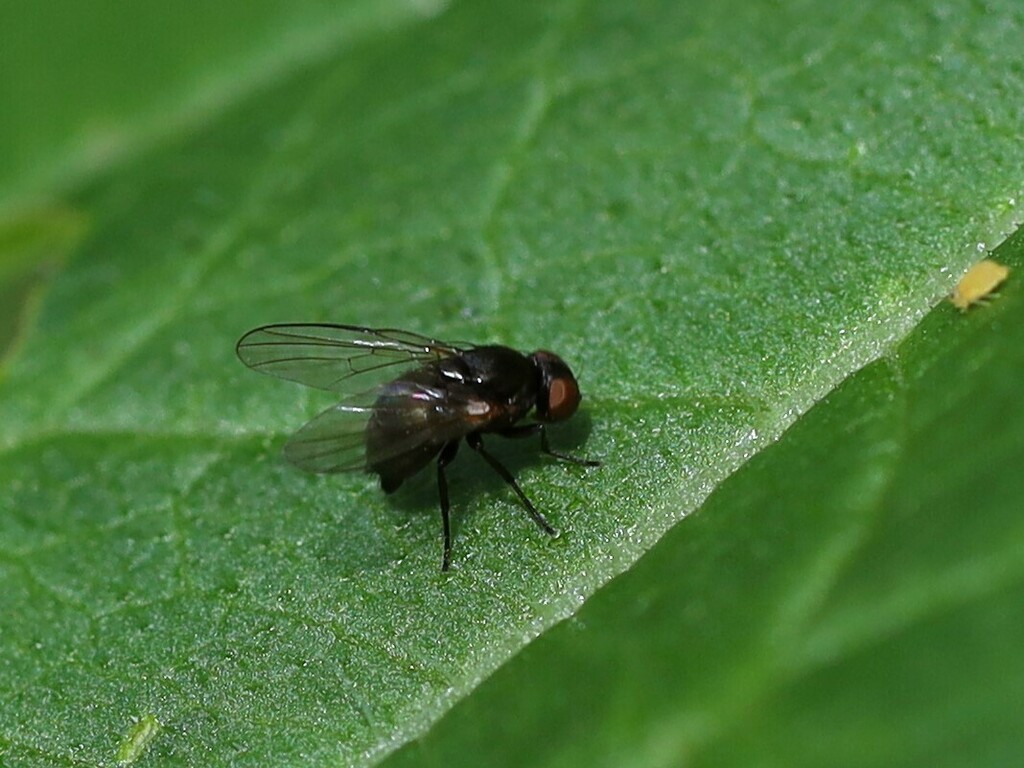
(715, 213)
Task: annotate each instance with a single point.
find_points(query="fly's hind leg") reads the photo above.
(443, 460)
(477, 444)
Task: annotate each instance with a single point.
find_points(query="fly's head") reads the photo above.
(558, 395)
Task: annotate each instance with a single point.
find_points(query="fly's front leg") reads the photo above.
(477, 444)
(443, 460)
(526, 430)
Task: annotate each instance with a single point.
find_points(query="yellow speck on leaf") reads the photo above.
(978, 283)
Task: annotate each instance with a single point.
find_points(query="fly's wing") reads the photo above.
(361, 364)
(332, 441)
(337, 358)
(335, 440)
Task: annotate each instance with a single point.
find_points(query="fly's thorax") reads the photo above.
(497, 374)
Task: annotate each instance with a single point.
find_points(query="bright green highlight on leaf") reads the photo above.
(138, 739)
(33, 246)
(716, 213)
(38, 238)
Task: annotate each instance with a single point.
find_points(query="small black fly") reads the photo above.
(408, 400)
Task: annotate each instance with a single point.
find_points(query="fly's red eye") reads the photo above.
(563, 398)
(558, 395)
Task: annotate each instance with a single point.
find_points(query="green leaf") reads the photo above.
(715, 213)
(850, 597)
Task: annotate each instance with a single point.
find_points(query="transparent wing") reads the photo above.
(335, 439)
(338, 358)
(332, 441)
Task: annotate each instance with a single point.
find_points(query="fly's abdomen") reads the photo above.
(401, 437)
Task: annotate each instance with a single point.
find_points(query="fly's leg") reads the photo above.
(526, 430)
(477, 444)
(443, 460)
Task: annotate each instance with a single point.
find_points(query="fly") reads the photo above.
(408, 400)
